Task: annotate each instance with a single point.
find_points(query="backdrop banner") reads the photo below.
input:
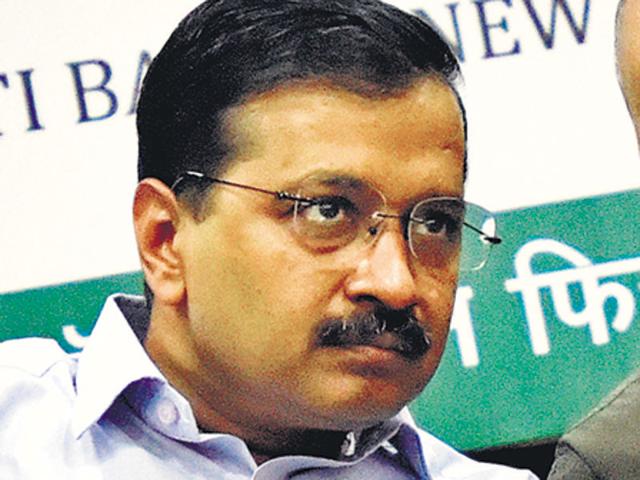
(539, 335)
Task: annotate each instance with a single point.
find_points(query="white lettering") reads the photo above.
(587, 275)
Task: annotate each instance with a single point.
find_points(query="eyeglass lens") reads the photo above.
(338, 212)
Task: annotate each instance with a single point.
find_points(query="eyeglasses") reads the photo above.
(336, 213)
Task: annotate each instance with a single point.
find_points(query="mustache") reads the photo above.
(412, 340)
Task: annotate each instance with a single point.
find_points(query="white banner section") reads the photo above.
(547, 122)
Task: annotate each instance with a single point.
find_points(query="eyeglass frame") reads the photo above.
(284, 195)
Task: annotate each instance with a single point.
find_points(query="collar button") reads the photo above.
(167, 412)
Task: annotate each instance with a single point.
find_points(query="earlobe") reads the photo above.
(156, 221)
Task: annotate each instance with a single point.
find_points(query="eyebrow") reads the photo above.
(328, 178)
(331, 179)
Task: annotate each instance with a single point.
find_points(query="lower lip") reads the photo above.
(370, 358)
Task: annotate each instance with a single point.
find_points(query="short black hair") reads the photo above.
(227, 50)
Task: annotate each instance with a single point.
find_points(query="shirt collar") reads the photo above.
(114, 359)
(399, 435)
(359, 444)
(408, 441)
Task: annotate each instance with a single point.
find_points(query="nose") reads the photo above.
(383, 273)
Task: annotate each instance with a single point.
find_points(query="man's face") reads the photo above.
(258, 295)
(628, 55)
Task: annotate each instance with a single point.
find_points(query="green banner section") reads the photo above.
(64, 312)
(539, 335)
(546, 329)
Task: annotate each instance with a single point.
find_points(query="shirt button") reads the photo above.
(167, 412)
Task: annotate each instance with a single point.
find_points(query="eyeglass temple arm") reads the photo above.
(492, 240)
(201, 176)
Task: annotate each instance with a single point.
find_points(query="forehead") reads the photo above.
(415, 137)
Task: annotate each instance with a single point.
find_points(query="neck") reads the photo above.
(309, 443)
(272, 444)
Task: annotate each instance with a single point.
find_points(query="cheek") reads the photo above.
(437, 310)
(264, 289)
(438, 305)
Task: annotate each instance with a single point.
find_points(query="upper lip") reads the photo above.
(385, 341)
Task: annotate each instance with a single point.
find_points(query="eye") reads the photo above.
(326, 210)
(437, 223)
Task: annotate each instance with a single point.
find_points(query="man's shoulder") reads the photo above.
(443, 461)
(37, 402)
(34, 372)
(30, 356)
(616, 418)
(608, 438)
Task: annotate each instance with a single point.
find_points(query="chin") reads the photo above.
(359, 417)
(354, 407)
(357, 389)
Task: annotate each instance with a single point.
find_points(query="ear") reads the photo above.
(156, 216)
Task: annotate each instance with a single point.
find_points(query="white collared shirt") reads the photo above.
(109, 413)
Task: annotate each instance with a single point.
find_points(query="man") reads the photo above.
(299, 219)
(606, 444)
